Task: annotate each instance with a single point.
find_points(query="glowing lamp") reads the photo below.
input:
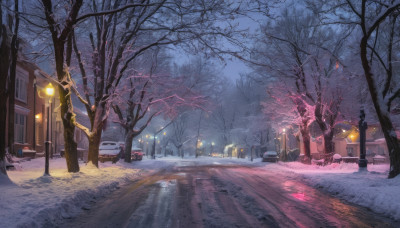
(37, 116)
(49, 90)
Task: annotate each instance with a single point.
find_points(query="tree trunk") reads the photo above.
(11, 114)
(94, 144)
(95, 137)
(128, 145)
(329, 147)
(13, 67)
(4, 66)
(387, 126)
(70, 146)
(180, 152)
(66, 108)
(305, 134)
(392, 144)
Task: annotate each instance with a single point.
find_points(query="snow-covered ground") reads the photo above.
(369, 188)
(35, 199)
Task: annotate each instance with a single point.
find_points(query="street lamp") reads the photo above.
(363, 126)
(49, 90)
(284, 136)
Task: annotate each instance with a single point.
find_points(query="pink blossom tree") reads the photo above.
(304, 54)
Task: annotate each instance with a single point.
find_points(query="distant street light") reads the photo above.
(49, 90)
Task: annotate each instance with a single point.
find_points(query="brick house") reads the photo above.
(29, 111)
(30, 121)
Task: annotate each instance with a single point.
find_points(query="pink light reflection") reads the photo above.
(299, 196)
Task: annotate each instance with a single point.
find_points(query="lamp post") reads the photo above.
(49, 90)
(153, 152)
(34, 112)
(362, 124)
(284, 136)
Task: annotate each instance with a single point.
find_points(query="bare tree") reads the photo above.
(377, 22)
(14, 26)
(120, 37)
(61, 30)
(8, 61)
(224, 114)
(179, 131)
(4, 69)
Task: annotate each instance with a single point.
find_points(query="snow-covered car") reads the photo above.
(109, 151)
(136, 154)
(270, 156)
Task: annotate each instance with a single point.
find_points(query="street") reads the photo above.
(188, 194)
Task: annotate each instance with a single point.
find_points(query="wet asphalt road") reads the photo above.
(189, 195)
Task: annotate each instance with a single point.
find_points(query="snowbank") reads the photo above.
(370, 188)
(36, 200)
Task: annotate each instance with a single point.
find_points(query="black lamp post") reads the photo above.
(284, 137)
(49, 90)
(153, 151)
(363, 126)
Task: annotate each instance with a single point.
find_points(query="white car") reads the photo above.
(109, 151)
(270, 156)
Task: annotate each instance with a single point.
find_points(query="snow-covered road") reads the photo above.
(209, 194)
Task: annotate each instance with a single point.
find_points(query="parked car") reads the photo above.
(109, 151)
(136, 154)
(270, 156)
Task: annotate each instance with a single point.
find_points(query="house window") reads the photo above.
(350, 151)
(20, 128)
(21, 82)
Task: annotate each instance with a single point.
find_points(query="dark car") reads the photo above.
(270, 156)
(136, 154)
